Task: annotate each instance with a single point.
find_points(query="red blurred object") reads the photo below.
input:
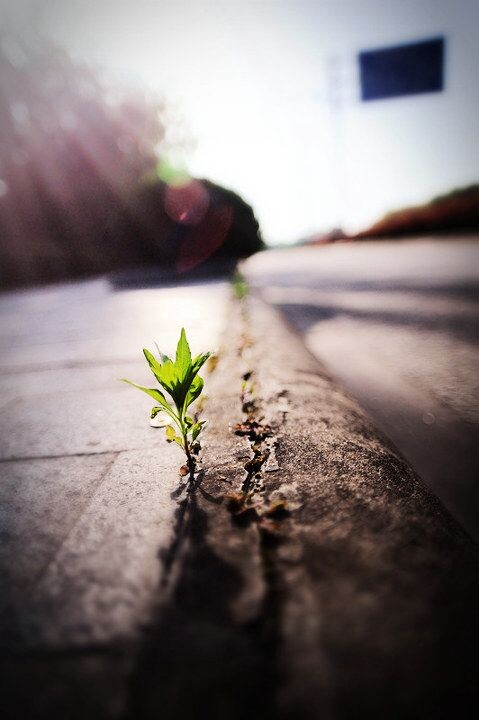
(187, 204)
(203, 240)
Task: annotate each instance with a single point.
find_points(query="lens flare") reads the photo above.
(187, 204)
(201, 241)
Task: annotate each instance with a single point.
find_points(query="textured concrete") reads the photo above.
(21, 383)
(40, 502)
(79, 422)
(98, 586)
(89, 323)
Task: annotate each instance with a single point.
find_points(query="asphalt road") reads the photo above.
(397, 322)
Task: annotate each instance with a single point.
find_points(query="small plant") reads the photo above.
(240, 286)
(181, 381)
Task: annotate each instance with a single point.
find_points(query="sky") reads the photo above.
(268, 90)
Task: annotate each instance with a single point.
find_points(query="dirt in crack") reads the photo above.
(248, 504)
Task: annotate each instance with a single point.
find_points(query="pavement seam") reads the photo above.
(20, 458)
(289, 617)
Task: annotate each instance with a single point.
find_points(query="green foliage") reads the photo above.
(180, 380)
(240, 286)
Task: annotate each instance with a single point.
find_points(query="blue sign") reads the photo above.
(410, 69)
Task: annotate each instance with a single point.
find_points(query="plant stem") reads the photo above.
(190, 460)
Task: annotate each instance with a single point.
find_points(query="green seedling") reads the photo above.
(182, 383)
(240, 285)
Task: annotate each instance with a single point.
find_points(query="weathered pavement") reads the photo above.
(127, 597)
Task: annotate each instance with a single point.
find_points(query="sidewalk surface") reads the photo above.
(86, 482)
(344, 589)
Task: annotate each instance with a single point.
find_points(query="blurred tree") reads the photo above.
(79, 189)
(72, 152)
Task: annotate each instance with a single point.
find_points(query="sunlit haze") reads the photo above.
(269, 93)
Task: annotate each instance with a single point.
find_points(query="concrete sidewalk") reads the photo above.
(85, 500)
(338, 588)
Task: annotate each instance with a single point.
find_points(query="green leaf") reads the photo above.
(164, 358)
(168, 376)
(194, 390)
(199, 361)
(171, 436)
(196, 429)
(168, 379)
(183, 385)
(152, 392)
(155, 366)
(170, 433)
(183, 357)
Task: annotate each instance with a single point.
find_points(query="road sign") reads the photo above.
(409, 69)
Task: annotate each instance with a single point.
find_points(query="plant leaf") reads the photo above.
(165, 374)
(196, 429)
(168, 378)
(199, 361)
(152, 392)
(183, 357)
(171, 436)
(164, 358)
(194, 390)
(155, 366)
(158, 396)
(170, 433)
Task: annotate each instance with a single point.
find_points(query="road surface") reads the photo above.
(398, 323)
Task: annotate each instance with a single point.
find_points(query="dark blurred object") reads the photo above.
(406, 69)
(194, 228)
(457, 210)
(75, 198)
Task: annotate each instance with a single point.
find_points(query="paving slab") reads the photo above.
(40, 502)
(85, 422)
(23, 384)
(90, 321)
(98, 588)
